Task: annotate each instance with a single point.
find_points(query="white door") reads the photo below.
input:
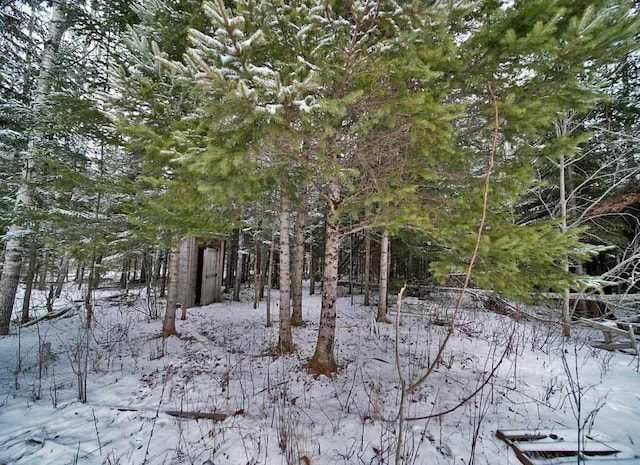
(209, 275)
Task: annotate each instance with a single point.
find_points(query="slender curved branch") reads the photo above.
(474, 255)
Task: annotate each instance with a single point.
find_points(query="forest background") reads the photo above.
(502, 131)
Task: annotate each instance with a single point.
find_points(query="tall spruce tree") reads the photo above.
(255, 97)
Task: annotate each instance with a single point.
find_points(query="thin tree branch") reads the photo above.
(474, 255)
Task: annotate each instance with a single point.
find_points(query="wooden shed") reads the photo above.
(200, 270)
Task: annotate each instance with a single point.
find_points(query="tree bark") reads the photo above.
(81, 277)
(323, 360)
(384, 278)
(44, 270)
(257, 271)
(272, 251)
(93, 277)
(165, 271)
(231, 259)
(367, 266)
(239, 260)
(124, 275)
(285, 340)
(264, 260)
(144, 267)
(298, 268)
(312, 269)
(62, 275)
(13, 249)
(561, 130)
(169, 321)
(31, 274)
(157, 266)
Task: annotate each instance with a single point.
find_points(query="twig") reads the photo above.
(95, 424)
(476, 391)
(146, 452)
(403, 382)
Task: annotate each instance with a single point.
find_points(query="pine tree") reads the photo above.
(396, 108)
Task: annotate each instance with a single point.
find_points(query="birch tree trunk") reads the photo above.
(263, 269)
(13, 249)
(298, 268)
(169, 321)
(323, 360)
(272, 251)
(566, 304)
(312, 269)
(561, 130)
(257, 271)
(165, 271)
(367, 266)
(384, 278)
(285, 341)
(157, 266)
(240, 257)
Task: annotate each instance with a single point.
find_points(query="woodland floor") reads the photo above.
(278, 413)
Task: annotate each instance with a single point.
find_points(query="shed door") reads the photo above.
(209, 275)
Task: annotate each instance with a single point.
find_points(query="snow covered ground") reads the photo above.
(279, 414)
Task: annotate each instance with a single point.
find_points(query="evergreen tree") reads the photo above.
(397, 108)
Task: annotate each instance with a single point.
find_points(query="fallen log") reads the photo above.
(50, 316)
(188, 415)
(215, 416)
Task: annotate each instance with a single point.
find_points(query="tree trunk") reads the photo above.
(572, 207)
(351, 269)
(93, 276)
(231, 260)
(239, 259)
(323, 360)
(77, 275)
(263, 269)
(257, 271)
(62, 275)
(13, 249)
(165, 271)
(367, 266)
(143, 268)
(81, 277)
(134, 275)
(561, 129)
(285, 341)
(157, 266)
(298, 269)
(312, 270)
(384, 278)
(31, 274)
(44, 270)
(169, 322)
(124, 275)
(272, 251)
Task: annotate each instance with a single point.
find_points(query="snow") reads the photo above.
(278, 412)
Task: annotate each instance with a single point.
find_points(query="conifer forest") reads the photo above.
(317, 232)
